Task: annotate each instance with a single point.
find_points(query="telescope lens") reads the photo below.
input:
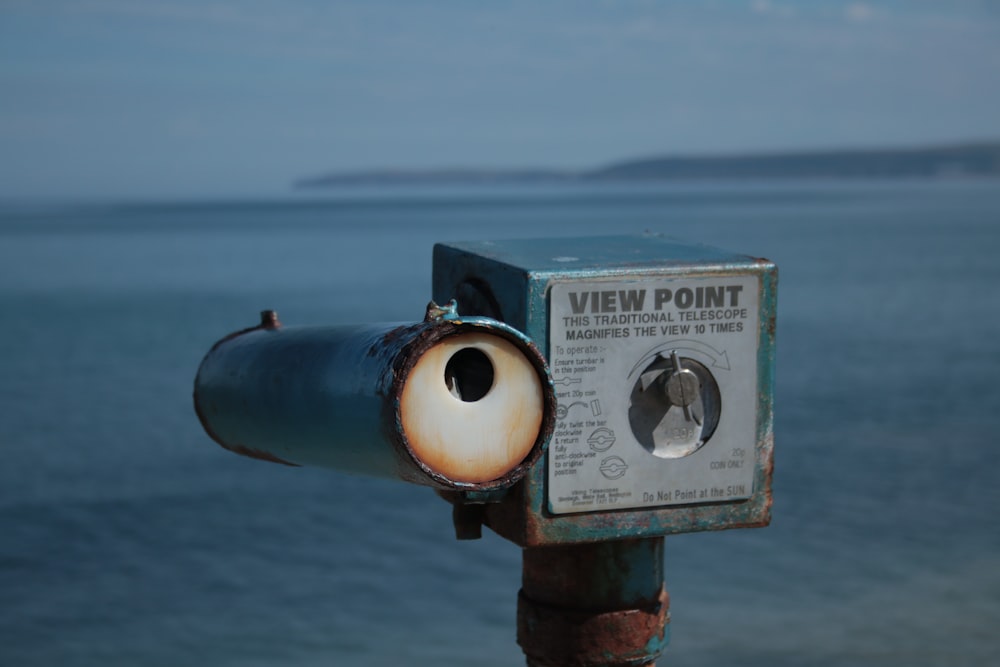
(469, 375)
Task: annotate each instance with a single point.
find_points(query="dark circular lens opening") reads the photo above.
(469, 375)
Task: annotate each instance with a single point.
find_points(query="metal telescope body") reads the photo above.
(428, 402)
(596, 395)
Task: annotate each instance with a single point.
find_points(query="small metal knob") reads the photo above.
(683, 387)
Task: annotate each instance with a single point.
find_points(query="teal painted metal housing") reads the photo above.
(330, 396)
(510, 280)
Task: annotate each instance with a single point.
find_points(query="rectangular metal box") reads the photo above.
(662, 356)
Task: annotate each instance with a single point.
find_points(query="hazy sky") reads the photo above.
(219, 97)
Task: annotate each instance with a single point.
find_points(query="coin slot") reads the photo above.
(674, 407)
(469, 375)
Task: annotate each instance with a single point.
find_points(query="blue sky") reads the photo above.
(124, 98)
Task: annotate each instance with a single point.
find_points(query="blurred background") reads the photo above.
(107, 98)
(148, 153)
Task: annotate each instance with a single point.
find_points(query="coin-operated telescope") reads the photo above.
(594, 396)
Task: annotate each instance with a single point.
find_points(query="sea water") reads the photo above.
(127, 537)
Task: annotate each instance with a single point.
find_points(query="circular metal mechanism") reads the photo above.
(674, 407)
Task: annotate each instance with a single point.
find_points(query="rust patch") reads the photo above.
(235, 447)
(768, 478)
(259, 454)
(555, 636)
(396, 334)
(269, 319)
(618, 575)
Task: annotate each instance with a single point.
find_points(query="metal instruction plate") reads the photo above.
(656, 380)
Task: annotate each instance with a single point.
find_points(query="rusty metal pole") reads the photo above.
(594, 605)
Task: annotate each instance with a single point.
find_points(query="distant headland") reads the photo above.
(980, 159)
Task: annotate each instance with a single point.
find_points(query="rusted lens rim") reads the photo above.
(429, 335)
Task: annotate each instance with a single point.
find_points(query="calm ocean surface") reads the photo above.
(128, 538)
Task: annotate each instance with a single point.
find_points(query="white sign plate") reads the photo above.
(626, 436)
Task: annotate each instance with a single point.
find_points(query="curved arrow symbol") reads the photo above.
(719, 358)
(563, 410)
